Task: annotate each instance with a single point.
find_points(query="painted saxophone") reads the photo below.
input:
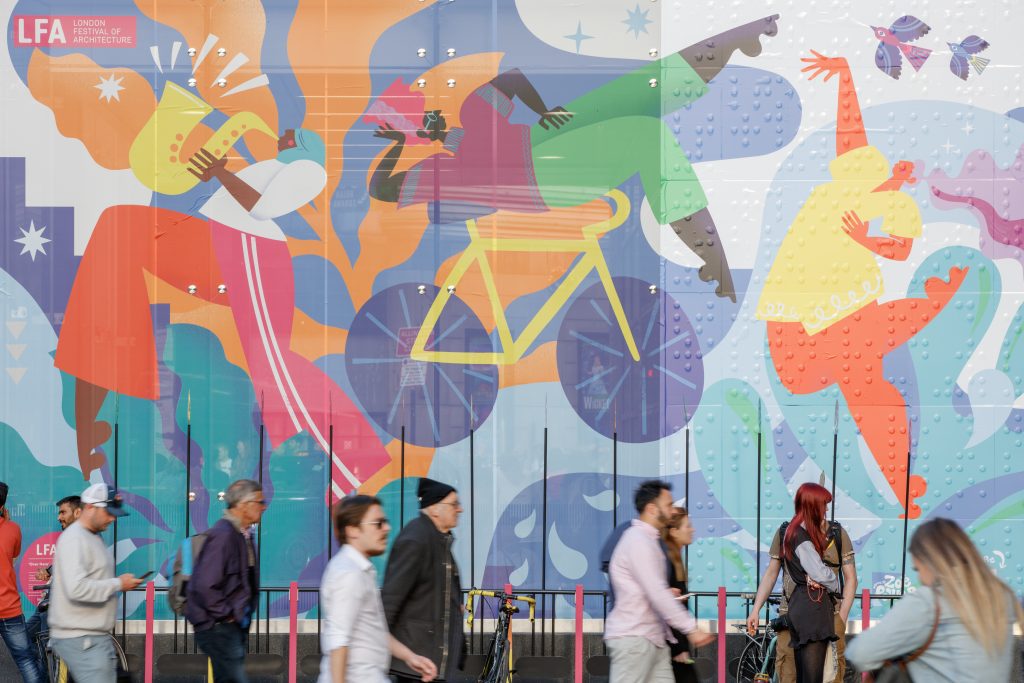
(155, 155)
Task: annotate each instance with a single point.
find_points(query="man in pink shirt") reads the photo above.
(637, 629)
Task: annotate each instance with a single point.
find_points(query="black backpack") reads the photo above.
(835, 532)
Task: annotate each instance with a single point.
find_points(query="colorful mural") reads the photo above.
(540, 253)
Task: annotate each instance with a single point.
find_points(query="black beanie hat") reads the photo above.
(430, 492)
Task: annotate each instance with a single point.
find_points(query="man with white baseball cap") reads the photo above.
(83, 595)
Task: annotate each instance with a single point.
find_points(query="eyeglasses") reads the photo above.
(261, 503)
(379, 523)
(456, 504)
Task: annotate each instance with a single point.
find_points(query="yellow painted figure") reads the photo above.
(820, 274)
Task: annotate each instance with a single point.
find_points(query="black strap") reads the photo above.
(782, 552)
(836, 529)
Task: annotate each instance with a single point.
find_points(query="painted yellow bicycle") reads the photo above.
(425, 368)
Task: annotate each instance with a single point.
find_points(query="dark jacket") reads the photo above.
(422, 597)
(223, 586)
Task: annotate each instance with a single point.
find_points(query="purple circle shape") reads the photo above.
(640, 401)
(437, 403)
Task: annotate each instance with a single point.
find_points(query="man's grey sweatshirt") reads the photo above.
(83, 593)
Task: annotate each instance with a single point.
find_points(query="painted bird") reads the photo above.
(894, 41)
(965, 53)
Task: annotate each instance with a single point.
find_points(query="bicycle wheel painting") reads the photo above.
(640, 401)
(437, 403)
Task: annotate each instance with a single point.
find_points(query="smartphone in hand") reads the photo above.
(145, 576)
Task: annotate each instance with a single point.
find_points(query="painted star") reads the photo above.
(579, 36)
(109, 88)
(33, 240)
(637, 21)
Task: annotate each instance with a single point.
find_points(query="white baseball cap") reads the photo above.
(103, 496)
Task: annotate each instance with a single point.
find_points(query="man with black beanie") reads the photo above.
(422, 594)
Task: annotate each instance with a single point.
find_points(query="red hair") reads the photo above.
(810, 503)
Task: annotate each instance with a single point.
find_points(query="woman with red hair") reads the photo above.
(812, 628)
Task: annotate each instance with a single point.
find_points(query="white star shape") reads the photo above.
(110, 87)
(33, 240)
(968, 128)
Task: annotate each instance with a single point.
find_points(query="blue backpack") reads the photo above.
(184, 562)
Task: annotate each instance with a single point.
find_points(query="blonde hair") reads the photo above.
(962, 576)
(675, 550)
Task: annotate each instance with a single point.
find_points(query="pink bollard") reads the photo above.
(150, 597)
(865, 620)
(721, 633)
(293, 631)
(578, 658)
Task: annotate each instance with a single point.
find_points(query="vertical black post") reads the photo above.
(330, 492)
(259, 528)
(117, 420)
(188, 503)
(544, 520)
(188, 481)
(401, 486)
(615, 480)
(117, 440)
(472, 515)
(835, 457)
(758, 534)
(544, 538)
(906, 511)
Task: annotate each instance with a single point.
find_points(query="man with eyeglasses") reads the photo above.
(355, 640)
(422, 593)
(224, 588)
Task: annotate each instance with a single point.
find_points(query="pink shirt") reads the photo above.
(490, 165)
(644, 605)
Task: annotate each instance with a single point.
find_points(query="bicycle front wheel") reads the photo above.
(122, 660)
(496, 666)
(751, 665)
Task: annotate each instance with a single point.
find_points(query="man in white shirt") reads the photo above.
(355, 640)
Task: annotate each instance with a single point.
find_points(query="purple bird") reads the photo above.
(964, 54)
(894, 41)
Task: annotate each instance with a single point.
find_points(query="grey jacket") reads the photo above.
(953, 656)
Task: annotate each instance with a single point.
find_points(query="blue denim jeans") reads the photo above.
(89, 658)
(36, 624)
(23, 650)
(225, 645)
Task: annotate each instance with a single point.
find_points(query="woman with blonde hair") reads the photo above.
(676, 535)
(958, 626)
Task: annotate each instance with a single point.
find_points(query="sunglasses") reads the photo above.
(379, 523)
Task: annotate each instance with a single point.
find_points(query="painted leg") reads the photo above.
(900, 320)
(805, 363)
(710, 55)
(698, 232)
(879, 410)
(90, 433)
(295, 395)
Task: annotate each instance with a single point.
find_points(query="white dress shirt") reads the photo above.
(284, 188)
(354, 618)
